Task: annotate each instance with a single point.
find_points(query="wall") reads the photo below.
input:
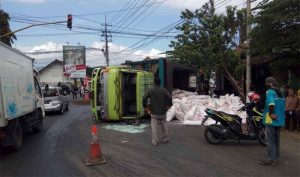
(52, 74)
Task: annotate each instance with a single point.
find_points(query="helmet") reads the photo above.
(254, 97)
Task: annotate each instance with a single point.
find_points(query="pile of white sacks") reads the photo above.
(189, 107)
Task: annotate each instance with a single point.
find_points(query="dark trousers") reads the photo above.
(288, 116)
(74, 95)
(273, 142)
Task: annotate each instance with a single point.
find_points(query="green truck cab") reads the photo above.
(117, 92)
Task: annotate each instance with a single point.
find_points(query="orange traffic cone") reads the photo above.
(95, 157)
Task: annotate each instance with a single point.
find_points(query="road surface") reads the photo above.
(63, 146)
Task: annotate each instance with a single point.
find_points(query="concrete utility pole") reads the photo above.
(106, 39)
(248, 57)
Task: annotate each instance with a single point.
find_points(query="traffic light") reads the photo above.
(69, 22)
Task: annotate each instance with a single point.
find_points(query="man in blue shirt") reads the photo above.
(274, 119)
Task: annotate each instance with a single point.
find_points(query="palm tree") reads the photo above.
(5, 28)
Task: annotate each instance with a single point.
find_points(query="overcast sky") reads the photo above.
(139, 16)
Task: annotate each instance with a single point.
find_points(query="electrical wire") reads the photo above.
(133, 19)
(119, 14)
(84, 14)
(159, 33)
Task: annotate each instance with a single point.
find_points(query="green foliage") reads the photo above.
(276, 32)
(89, 71)
(5, 28)
(209, 40)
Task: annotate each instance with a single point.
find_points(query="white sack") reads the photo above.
(190, 114)
(179, 115)
(171, 113)
(192, 122)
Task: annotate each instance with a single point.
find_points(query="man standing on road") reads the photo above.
(274, 119)
(160, 102)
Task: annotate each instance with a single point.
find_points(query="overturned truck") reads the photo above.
(117, 92)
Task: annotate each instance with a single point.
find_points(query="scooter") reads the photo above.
(229, 126)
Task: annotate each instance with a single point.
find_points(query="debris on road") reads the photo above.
(189, 107)
(124, 142)
(127, 128)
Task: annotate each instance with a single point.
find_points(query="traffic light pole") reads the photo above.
(39, 24)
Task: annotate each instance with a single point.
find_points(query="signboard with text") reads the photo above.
(74, 61)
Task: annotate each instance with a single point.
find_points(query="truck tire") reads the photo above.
(67, 107)
(38, 127)
(62, 110)
(16, 132)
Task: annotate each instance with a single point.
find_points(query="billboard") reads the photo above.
(74, 61)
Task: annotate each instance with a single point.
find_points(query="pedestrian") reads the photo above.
(74, 92)
(160, 102)
(291, 104)
(81, 91)
(273, 119)
(286, 90)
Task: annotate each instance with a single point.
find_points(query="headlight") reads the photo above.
(55, 103)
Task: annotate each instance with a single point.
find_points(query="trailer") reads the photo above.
(117, 93)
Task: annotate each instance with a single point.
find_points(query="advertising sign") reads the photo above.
(74, 61)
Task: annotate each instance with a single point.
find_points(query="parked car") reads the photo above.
(55, 100)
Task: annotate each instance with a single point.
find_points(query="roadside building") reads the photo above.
(52, 73)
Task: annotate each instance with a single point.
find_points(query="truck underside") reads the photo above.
(129, 94)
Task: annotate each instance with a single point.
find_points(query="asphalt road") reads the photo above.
(63, 146)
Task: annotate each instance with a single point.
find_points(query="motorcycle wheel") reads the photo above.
(261, 136)
(211, 136)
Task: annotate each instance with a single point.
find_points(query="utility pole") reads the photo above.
(106, 34)
(248, 57)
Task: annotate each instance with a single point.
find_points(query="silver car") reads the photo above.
(55, 100)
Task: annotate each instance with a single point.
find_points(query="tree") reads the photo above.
(5, 28)
(208, 41)
(276, 32)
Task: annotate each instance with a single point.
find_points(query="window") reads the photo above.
(37, 87)
(51, 92)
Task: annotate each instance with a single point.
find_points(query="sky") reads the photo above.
(130, 21)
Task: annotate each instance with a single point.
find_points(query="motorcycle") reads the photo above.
(229, 126)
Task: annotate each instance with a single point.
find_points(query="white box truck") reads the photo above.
(21, 98)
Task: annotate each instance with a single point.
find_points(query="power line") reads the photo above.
(159, 33)
(140, 15)
(133, 18)
(90, 28)
(119, 14)
(60, 26)
(85, 14)
(129, 13)
(222, 4)
(149, 13)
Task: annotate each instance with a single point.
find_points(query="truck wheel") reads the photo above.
(16, 131)
(38, 127)
(62, 110)
(67, 107)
